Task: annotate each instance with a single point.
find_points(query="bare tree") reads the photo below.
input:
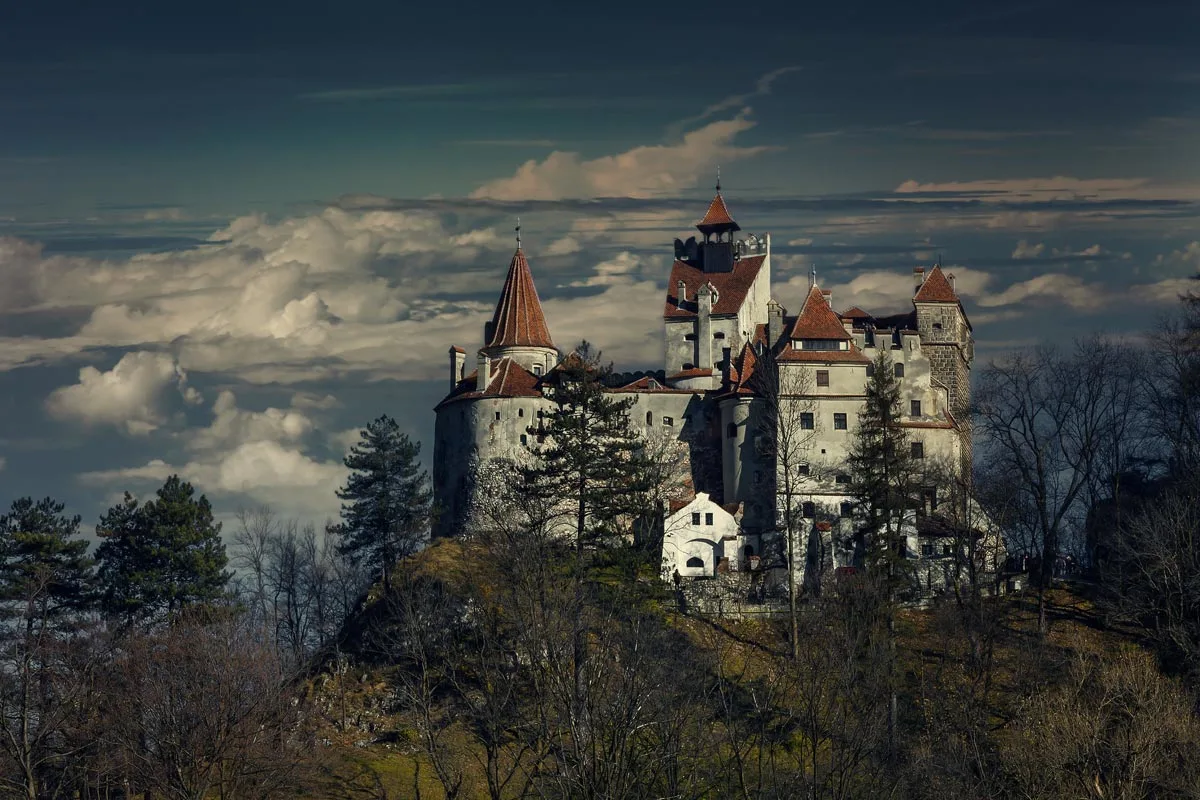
(1043, 416)
(788, 428)
(204, 708)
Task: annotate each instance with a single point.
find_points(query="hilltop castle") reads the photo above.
(721, 324)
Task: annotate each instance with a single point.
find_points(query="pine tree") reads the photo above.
(43, 562)
(591, 477)
(885, 475)
(884, 484)
(159, 558)
(46, 588)
(388, 499)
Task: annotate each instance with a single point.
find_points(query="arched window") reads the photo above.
(520, 412)
(649, 417)
(696, 562)
(731, 430)
(899, 370)
(719, 335)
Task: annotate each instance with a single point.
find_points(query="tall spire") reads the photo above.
(718, 178)
(813, 276)
(519, 320)
(518, 231)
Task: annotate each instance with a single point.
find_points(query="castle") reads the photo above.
(721, 325)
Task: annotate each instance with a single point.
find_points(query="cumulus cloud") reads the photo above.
(130, 396)
(260, 455)
(641, 172)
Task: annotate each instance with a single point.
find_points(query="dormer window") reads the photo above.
(537, 369)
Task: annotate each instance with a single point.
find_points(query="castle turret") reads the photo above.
(946, 338)
(518, 329)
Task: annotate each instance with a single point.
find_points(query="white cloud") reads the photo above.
(644, 171)
(232, 425)
(1070, 290)
(1026, 250)
(129, 396)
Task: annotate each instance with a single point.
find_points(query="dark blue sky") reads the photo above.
(230, 233)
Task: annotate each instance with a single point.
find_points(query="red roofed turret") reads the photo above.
(717, 219)
(817, 320)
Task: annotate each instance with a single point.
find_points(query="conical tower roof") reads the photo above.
(717, 217)
(519, 320)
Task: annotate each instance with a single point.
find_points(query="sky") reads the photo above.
(232, 234)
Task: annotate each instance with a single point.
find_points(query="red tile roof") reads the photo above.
(856, 313)
(695, 372)
(732, 287)
(643, 385)
(742, 374)
(851, 356)
(817, 320)
(519, 320)
(509, 379)
(455, 348)
(936, 289)
(717, 216)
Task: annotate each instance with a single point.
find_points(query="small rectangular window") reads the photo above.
(524, 439)
(847, 510)
(842, 479)
(806, 420)
(898, 369)
(822, 377)
(918, 449)
(696, 518)
(497, 415)
(669, 421)
(708, 519)
(802, 469)
(809, 510)
(926, 549)
(947, 549)
(870, 370)
(839, 422)
(914, 408)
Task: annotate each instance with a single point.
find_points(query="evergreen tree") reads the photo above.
(44, 565)
(388, 498)
(161, 557)
(592, 471)
(885, 475)
(46, 584)
(885, 483)
(590, 476)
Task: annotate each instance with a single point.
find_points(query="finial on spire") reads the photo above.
(939, 259)
(718, 177)
(813, 280)
(518, 232)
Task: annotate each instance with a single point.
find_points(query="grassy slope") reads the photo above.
(386, 754)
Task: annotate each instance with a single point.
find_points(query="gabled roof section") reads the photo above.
(519, 321)
(717, 217)
(936, 288)
(817, 320)
(732, 287)
(855, 312)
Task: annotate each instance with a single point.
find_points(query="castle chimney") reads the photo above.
(951, 278)
(704, 303)
(918, 278)
(774, 322)
(828, 296)
(484, 376)
(681, 295)
(458, 360)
